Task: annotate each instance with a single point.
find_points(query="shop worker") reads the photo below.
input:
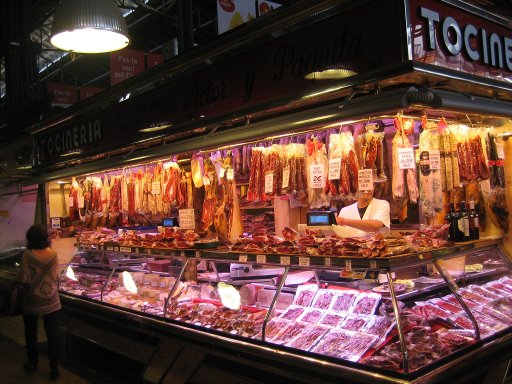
(366, 215)
(39, 273)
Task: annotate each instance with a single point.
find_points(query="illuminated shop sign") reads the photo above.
(452, 38)
(68, 141)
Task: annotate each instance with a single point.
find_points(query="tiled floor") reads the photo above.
(12, 355)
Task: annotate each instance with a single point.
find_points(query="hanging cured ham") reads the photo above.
(404, 177)
(316, 173)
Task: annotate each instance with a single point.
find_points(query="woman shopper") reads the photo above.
(39, 273)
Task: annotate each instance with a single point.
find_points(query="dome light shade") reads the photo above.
(89, 26)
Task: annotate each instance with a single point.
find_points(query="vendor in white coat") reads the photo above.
(366, 215)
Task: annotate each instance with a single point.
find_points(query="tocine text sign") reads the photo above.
(365, 179)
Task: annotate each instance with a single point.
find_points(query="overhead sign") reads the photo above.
(124, 64)
(86, 92)
(233, 13)
(62, 94)
(453, 38)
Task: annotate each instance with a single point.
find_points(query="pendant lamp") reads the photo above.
(89, 26)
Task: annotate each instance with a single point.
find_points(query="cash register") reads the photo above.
(319, 220)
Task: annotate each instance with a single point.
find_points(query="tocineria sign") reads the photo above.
(459, 40)
(69, 139)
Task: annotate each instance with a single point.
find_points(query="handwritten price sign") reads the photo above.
(365, 179)
(406, 158)
(317, 176)
(334, 169)
(435, 160)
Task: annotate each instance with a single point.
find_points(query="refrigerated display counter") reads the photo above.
(208, 315)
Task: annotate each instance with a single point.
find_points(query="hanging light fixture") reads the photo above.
(89, 26)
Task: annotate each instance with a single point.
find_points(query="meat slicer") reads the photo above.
(253, 272)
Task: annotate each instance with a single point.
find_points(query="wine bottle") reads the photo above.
(474, 224)
(448, 219)
(465, 221)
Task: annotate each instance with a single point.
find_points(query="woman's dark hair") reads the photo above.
(37, 237)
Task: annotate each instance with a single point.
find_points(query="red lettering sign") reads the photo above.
(124, 64)
(86, 92)
(62, 94)
(153, 59)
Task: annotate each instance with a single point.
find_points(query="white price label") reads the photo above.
(242, 258)
(230, 174)
(262, 259)
(155, 188)
(206, 180)
(269, 183)
(435, 160)
(116, 249)
(125, 249)
(284, 260)
(286, 177)
(182, 253)
(334, 169)
(81, 202)
(365, 179)
(348, 265)
(198, 254)
(500, 151)
(222, 172)
(406, 158)
(316, 176)
(327, 262)
(187, 218)
(110, 248)
(304, 261)
(373, 264)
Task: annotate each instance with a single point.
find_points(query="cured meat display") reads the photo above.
(431, 173)
(344, 344)
(498, 209)
(404, 167)
(343, 166)
(317, 172)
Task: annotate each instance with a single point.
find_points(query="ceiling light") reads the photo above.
(89, 26)
(330, 74)
(156, 127)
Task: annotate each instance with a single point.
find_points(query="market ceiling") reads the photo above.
(31, 61)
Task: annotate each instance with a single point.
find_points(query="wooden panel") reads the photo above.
(115, 342)
(208, 374)
(184, 367)
(164, 357)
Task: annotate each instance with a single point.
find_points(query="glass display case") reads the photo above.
(344, 310)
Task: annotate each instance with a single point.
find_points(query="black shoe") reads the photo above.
(27, 367)
(54, 373)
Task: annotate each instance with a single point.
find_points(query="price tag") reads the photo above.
(206, 180)
(316, 176)
(155, 188)
(499, 150)
(406, 158)
(198, 254)
(334, 169)
(286, 177)
(230, 174)
(373, 264)
(125, 249)
(110, 248)
(116, 249)
(358, 274)
(269, 183)
(242, 258)
(365, 179)
(327, 262)
(435, 160)
(81, 202)
(182, 253)
(187, 218)
(284, 260)
(262, 259)
(304, 261)
(222, 172)
(348, 265)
